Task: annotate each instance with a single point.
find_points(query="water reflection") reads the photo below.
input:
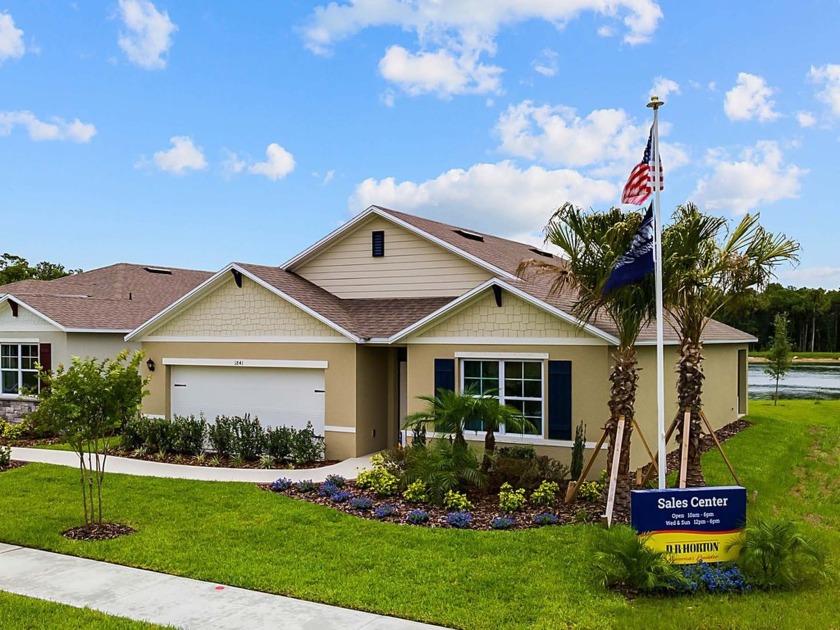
(812, 380)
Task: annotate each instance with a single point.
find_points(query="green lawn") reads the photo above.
(24, 613)
(237, 534)
(833, 356)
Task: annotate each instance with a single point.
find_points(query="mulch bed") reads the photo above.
(98, 531)
(12, 465)
(207, 460)
(32, 442)
(485, 508)
(707, 443)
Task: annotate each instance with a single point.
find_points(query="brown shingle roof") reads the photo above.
(118, 297)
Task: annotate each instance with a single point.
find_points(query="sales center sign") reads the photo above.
(691, 524)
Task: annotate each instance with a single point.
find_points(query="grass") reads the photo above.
(236, 534)
(18, 612)
(833, 356)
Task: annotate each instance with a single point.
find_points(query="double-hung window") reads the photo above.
(517, 383)
(17, 368)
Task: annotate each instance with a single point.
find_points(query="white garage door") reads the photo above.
(277, 396)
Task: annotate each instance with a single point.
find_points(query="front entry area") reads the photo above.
(278, 396)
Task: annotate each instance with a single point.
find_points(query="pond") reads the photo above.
(805, 380)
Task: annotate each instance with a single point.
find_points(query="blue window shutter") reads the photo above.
(444, 374)
(560, 400)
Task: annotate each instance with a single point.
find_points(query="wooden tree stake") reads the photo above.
(720, 447)
(684, 450)
(647, 448)
(668, 435)
(619, 436)
(571, 493)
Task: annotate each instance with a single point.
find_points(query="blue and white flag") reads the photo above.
(637, 262)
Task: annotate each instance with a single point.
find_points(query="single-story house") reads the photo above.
(348, 333)
(85, 314)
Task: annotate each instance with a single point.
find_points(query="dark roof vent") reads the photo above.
(160, 270)
(378, 243)
(470, 235)
(542, 252)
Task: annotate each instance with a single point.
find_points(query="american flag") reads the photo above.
(639, 185)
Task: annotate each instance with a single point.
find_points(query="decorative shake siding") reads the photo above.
(516, 319)
(411, 266)
(230, 311)
(25, 320)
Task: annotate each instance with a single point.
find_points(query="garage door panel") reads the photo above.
(277, 396)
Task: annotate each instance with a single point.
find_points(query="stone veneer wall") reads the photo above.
(14, 410)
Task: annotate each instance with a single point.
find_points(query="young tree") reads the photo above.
(86, 403)
(779, 357)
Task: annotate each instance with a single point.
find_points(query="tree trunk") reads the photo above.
(624, 382)
(489, 448)
(689, 394)
(776, 395)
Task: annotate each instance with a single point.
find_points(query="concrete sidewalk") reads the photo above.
(170, 600)
(349, 468)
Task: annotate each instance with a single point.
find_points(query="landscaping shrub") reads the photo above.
(248, 437)
(281, 485)
(443, 467)
(361, 503)
(457, 501)
(546, 518)
(578, 449)
(775, 554)
(266, 461)
(5, 455)
(723, 577)
(517, 452)
(393, 460)
(327, 489)
(525, 472)
(222, 436)
(546, 494)
(133, 436)
(337, 480)
(623, 559)
(161, 435)
(340, 496)
(459, 520)
(385, 510)
(306, 446)
(511, 500)
(305, 486)
(502, 522)
(593, 490)
(379, 480)
(417, 517)
(13, 432)
(278, 443)
(416, 492)
(189, 434)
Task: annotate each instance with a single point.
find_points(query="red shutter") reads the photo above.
(45, 359)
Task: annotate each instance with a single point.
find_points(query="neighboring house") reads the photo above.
(391, 306)
(86, 314)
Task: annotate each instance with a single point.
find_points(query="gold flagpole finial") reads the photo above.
(655, 103)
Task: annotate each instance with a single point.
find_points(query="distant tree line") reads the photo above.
(813, 316)
(15, 268)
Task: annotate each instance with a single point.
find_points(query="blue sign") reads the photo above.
(691, 524)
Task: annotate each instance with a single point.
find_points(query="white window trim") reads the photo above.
(501, 357)
(522, 356)
(20, 343)
(260, 363)
(513, 438)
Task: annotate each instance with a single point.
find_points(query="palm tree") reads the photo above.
(493, 415)
(704, 270)
(592, 243)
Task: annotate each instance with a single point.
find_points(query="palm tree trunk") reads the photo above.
(624, 382)
(489, 448)
(690, 392)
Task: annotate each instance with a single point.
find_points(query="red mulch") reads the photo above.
(12, 465)
(485, 508)
(98, 531)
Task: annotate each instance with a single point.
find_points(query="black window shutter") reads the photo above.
(378, 243)
(560, 400)
(444, 374)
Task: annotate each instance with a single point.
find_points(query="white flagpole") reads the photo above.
(655, 104)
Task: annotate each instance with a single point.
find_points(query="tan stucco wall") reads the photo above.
(339, 377)
(411, 267)
(372, 398)
(516, 318)
(31, 327)
(99, 345)
(252, 310)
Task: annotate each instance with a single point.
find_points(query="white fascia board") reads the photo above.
(176, 305)
(8, 296)
(712, 342)
(256, 363)
(329, 238)
(114, 331)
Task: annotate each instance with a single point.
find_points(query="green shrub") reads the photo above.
(593, 490)
(442, 466)
(133, 436)
(160, 435)
(511, 500)
(306, 446)
(525, 473)
(222, 436)
(190, 434)
(517, 452)
(457, 501)
(623, 559)
(775, 554)
(379, 480)
(416, 492)
(5, 456)
(278, 443)
(266, 461)
(546, 494)
(578, 450)
(13, 432)
(248, 437)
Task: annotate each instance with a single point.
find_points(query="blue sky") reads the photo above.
(194, 134)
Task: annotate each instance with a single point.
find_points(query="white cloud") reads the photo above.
(663, 87)
(277, 165)
(453, 35)
(828, 78)
(750, 99)
(232, 164)
(546, 63)
(148, 34)
(758, 177)
(440, 72)
(497, 198)
(805, 119)
(11, 39)
(815, 277)
(183, 156)
(328, 177)
(56, 129)
(605, 31)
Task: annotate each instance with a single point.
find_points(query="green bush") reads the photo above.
(517, 452)
(593, 490)
(442, 466)
(248, 437)
(416, 492)
(578, 450)
(306, 446)
(457, 501)
(775, 554)
(526, 473)
(5, 456)
(190, 433)
(13, 432)
(546, 494)
(511, 500)
(133, 436)
(278, 443)
(160, 435)
(623, 559)
(379, 480)
(222, 436)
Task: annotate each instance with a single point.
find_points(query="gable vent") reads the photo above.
(542, 252)
(166, 272)
(377, 243)
(470, 235)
